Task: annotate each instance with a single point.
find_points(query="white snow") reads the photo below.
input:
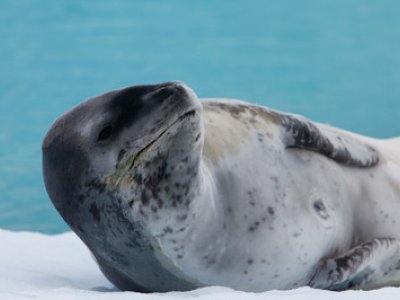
(34, 265)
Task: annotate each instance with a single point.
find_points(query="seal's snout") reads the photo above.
(171, 89)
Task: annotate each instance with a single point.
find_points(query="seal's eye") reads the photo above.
(105, 133)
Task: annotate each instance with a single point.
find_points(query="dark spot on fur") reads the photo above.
(168, 230)
(271, 211)
(145, 199)
(81, 199)
(130, 203)
(211, 261)
(138, 178)
(177, 248)
(94, 210)
(254, 226)
(275, 179)
(178, 199)
(181, 218)
(159, 203)
(166, 189)
(97, 185)
(197, 137)
(250, 261)
(253, 120)
(234, 110)
(121, 154)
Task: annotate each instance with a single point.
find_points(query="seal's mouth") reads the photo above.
(131, 163)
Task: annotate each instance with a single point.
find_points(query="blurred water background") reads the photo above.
(336, 62)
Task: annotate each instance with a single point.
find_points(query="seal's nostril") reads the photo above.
(165, 92)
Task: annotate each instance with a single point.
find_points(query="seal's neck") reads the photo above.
(171, 201)
(165, 188)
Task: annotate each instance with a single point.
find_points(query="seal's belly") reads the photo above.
(282, 220)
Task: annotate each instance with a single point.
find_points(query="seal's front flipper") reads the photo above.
(341, 147)
(372, 264)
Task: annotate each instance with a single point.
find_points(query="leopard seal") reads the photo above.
(170, 192)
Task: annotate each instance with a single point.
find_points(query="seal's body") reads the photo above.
(170, 193)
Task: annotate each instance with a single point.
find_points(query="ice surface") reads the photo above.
(34, 265)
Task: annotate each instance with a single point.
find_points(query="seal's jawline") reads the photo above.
(130, 163)
(189, 114)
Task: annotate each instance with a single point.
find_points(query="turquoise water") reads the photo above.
(333, 61)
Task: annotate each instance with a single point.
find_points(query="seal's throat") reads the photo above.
(129, 164)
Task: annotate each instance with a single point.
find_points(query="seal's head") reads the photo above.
(108, 163)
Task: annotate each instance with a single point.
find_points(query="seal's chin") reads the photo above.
(128, 165)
